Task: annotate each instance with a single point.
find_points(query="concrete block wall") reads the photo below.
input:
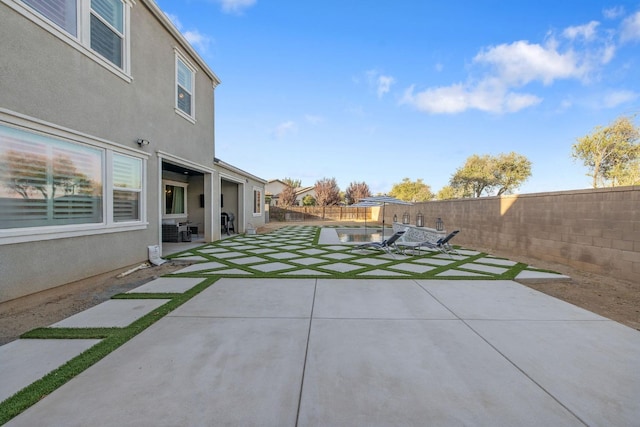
(595, 230)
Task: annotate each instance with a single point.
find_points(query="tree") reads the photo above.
(448, 192)
(327, 192)
(501, 174)
(295, 183)
(287, 196)
(356, 191)
(611, 153)
(308, 200)
(511, 170)
(411, 191)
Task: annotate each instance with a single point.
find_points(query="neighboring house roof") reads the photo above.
(303, 191)
(239, 171)
(166, 22)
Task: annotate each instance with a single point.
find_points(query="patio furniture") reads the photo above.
(224, 222)
(442, 245)
(386, 245)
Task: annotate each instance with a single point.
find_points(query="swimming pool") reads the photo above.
(359, 235)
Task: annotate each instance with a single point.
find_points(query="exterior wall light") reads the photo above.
(405, 218)
(142, 142)
(419, 220)
(395, 218)
(439, 224)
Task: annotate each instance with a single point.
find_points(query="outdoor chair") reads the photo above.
(231, 226)
(441, 245)
(386, 245)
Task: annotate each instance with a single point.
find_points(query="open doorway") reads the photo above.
(183, 201)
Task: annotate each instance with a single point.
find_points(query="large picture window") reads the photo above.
(48, 181)
(99, 25)
(45, 181)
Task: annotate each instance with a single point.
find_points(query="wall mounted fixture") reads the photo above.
(142, 142)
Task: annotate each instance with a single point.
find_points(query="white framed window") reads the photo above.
(257, 202)
(127, 187)
(53, 185)
(175, 199)
(98, 28)
(185, 84)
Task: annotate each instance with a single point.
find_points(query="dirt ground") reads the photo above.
(615, 299)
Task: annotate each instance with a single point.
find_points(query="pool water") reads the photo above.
(356, 235)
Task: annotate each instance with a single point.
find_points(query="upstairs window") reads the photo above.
(63, 13)
(100, 26)
(107, 29)
(185, 75)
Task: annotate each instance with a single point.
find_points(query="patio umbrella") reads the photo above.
(380, 201)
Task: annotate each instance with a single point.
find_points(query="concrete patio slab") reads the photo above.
(593, 368)
(229, 271)
(167, 284)
(378, 352)
(252, 298)
(272, 266)
(308, 261)
(116, 313)
(312, 251)
(383, 273)
(22, 361)
(202, 266)
(196, 258)
(376, 299)
(186, 371)
(230, 254)
(484, 268)
(305, 272)
(247, 260)
(371, 261)
(284, 255)
(413, 268)
(416, 373)
(540, 275)
(341, 267)
(496, 261)
(501, 300)
(460, 273)
(338, 255)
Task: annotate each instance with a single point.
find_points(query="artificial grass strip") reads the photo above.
(70, 333)
(112, 339)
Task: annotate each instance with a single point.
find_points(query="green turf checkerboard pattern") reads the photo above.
(293, 251)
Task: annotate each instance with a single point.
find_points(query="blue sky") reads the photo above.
(376, 91)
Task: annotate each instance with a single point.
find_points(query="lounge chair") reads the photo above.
(441, 245)
(386, 245)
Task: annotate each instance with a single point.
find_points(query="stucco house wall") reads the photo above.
(52, 87)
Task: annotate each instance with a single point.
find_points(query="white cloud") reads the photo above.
(381, 83)
(613, 99)
(613, 12)
(630, 30)
(236, 6)
(194, 37)
(174, 19)
(197, 40)
(314, 120)
(521, 62)
(587, 31)
(498, 73)
(284, 129)
(488, 96)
